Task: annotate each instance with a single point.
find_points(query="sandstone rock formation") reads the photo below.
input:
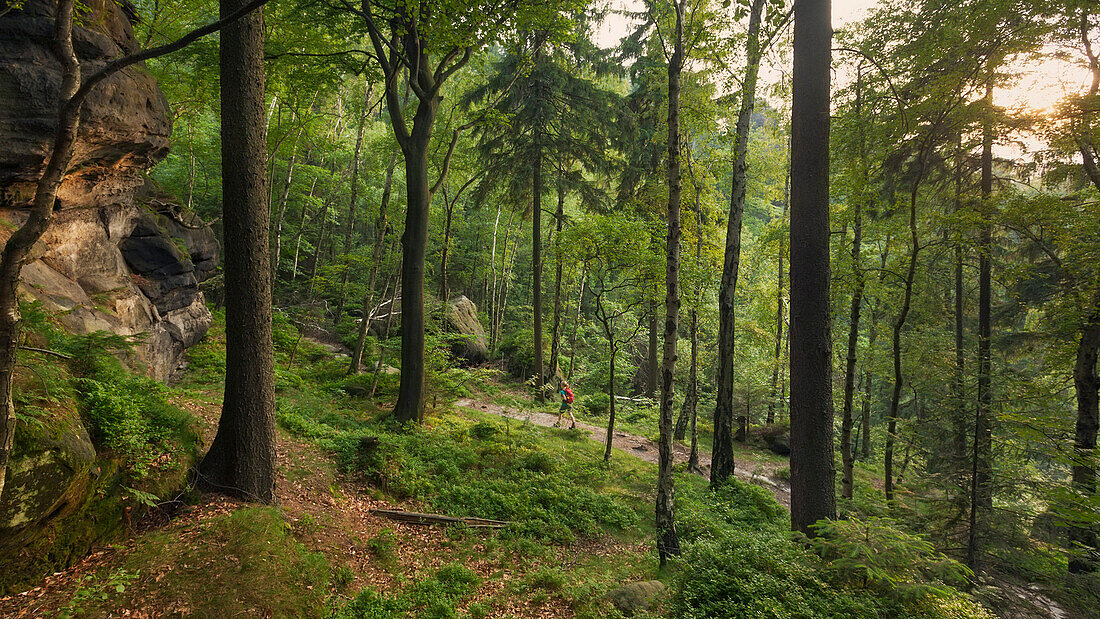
(114, 259)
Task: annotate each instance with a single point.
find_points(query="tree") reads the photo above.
(241, 460)
(668, 544)
(722, 463)
(557, 119)
(813, 495)
(73, 91)
(429, 46)
(612, 252)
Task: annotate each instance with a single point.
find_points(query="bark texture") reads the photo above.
(722, 461)
(668, 543)
(241, 460)
(813, 495)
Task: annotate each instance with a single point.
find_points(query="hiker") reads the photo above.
(566, 404)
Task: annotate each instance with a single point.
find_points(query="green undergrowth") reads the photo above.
(549, 485)
(128, 415)
(246, 562)
(432, 597)
(740, 560)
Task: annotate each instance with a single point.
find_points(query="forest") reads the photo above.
(573, 308)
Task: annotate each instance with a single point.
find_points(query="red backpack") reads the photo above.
(568, 395)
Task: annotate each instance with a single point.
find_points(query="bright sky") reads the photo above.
(1040, 86)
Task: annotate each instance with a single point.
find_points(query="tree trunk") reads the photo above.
(41, 214)
(444, 291)
(1083, 538)
(693, 391)
(668, 543)
(958, 385)
(386, 335)
(506, 275)
(536, 269)
(899, 325)
(410, 399)
(812, 470)
(722, 464)
(576, 322)
(847, 455)
(349, 225)
(610, 395)
(775, 398)
(376, 260)
(284, 198)
(981, 494)
(868, 376)
(301, 229)
(241, 459)
(1085, 379)
(555, 335)
(319, 247)
(652, 371)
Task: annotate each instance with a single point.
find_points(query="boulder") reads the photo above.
(780, 445)
(461, 319)
(49, 472)
(637, 596)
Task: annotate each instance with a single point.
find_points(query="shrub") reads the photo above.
(370, 604)
(876, 553)
(597, 404)
(131, 415)
(759, 573)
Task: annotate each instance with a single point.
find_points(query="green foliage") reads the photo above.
(877, 553)
(132, 416)
(597, 404)
(463, 468)
(432, 597)
(92, 589)
(342, 577)
(383, 546)
(741, 561)
(370, 604)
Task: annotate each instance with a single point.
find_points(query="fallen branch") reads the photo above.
(419, 518)
(46, 352)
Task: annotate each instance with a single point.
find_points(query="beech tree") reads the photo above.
(423, 49)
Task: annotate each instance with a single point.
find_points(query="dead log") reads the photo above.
(421, 518)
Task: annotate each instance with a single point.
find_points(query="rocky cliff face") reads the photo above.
(115, 258)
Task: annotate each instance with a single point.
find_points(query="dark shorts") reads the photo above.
(565, 406)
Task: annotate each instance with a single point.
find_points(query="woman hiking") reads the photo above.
(566, 404)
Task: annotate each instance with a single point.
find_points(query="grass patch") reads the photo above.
(243, 563)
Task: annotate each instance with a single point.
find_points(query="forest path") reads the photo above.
(749, 466)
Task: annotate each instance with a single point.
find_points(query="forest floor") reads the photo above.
(188, 564)
(750, 465)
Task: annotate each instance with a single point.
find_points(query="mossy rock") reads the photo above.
(62, 499)
(637, 596)
(49, 472)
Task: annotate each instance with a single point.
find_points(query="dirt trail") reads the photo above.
(752, 470)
